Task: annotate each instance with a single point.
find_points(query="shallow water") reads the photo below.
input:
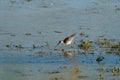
(45, 22)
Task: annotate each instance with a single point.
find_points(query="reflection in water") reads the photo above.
(67, 54)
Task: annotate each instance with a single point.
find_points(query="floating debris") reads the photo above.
(34, 46)
(99, 59)
(40, 33)
(58, 32)
(55, 49)
(47, 44)
(82, 76)
(44, 6)
(18, 46)
(82, 34)
(63, 67)
(101, 76)
(117, 9)
(41, 52)
(54, 72)
(12, 35)
(58, 78)
(28, 34)
(12, 1)
(9, 45)
(27, 0)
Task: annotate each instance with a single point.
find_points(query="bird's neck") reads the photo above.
(62, 42)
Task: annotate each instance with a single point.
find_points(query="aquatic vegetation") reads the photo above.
(12, 1)
(115, 48)
(116, 70)
(117, 8)
(47, 44)
(109, 45)
(101, 76)
(28, 34)
(118, 52)
(58, 78)
(76, 70)
(82, 34)
(89, 18)
(103, 42)
(85, 45)
(82, 76)
(33, 46)
(63, 67)
(41, 52)
(40, 33)
(73, 76)
(55, 49)
(54, 72)
(18, 46)
(9, 45)
(58, 32)
(99, 59)
(12, 35)
(27, 0)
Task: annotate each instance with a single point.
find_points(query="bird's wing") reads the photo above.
(69, 38)
(73, 35)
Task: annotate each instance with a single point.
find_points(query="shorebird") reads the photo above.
(68, 40)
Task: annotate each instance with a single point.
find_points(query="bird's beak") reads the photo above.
(57, 44)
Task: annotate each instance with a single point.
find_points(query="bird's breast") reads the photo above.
(68, 42)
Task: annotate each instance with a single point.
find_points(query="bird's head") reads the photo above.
(60, 42)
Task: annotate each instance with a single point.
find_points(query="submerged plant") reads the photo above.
(58, 78)
(104, 42)
(9, 45)
(41, 33)
(41, 52)
(47, 44)
(28, 34)
(76, 70)
(116, 70)
(12, 1)
(99, 59)
(101, 76)
(82, 77)
(85, 45)
(33, 46)
(18, 46)
(27, 0)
